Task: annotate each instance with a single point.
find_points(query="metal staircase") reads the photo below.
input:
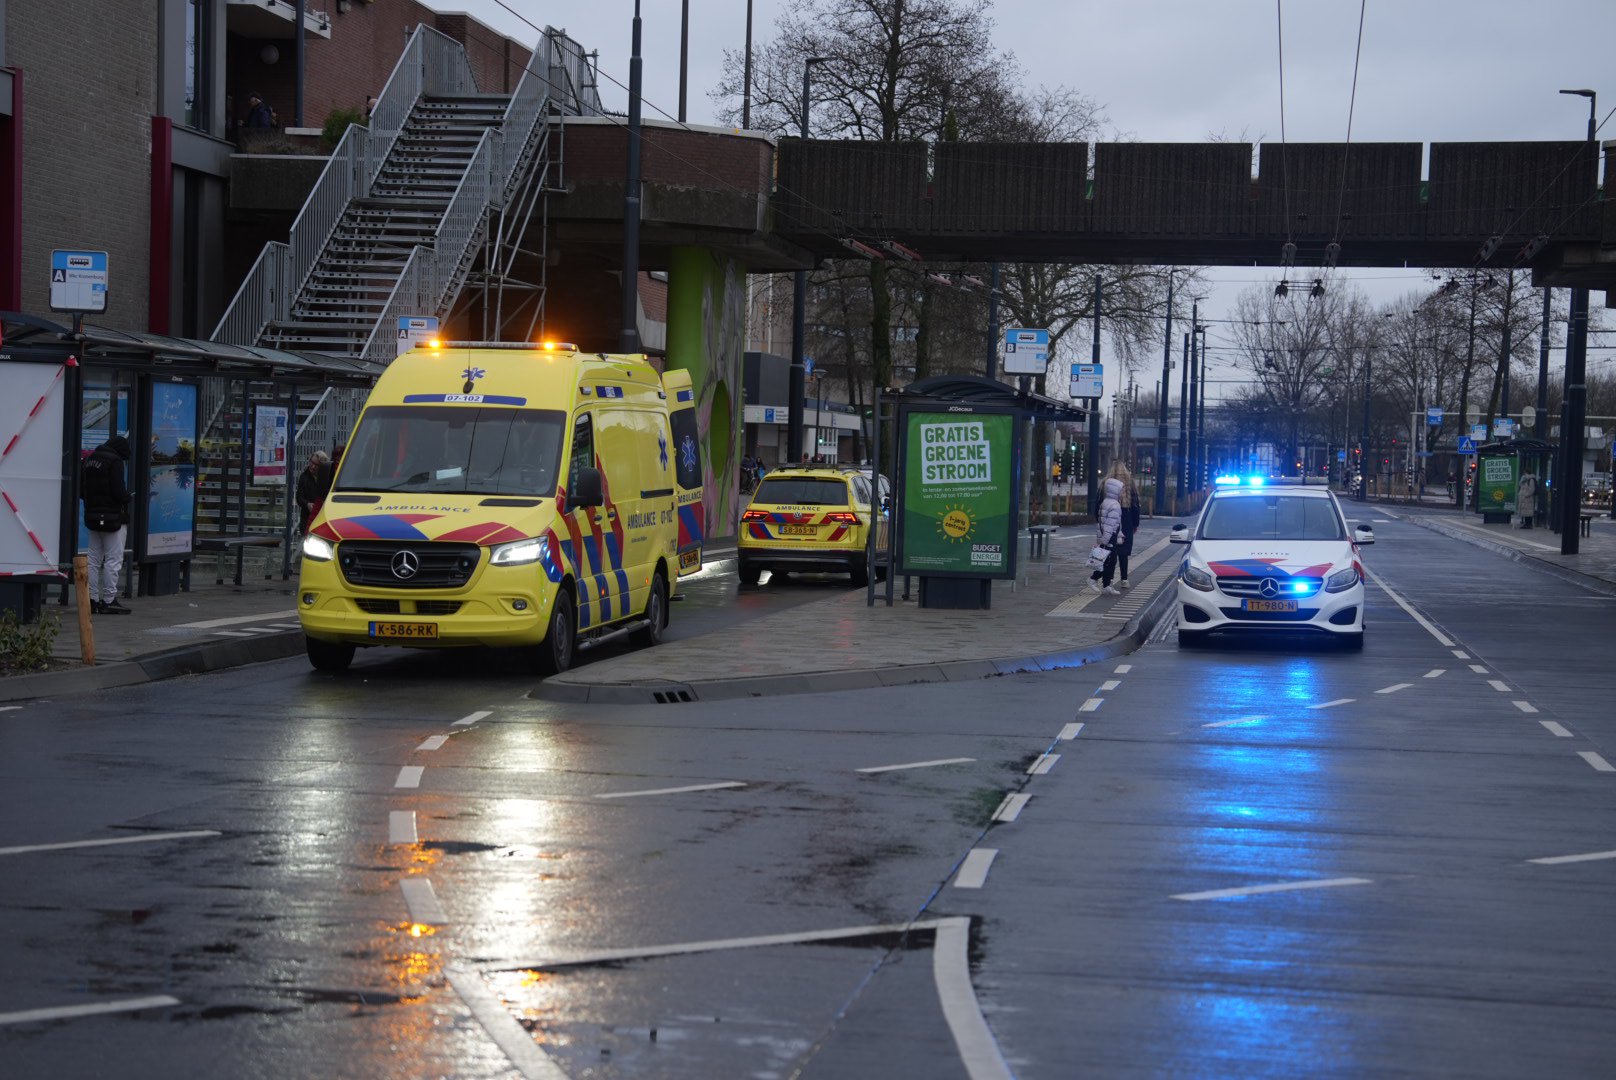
(400, 219)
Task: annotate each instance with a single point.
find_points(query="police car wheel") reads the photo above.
(555, 654)
(1352, 642)
(751, 573)
(1191, 639)
(656, 614)
(328, 655)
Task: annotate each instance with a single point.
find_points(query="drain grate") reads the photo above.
(672, 697)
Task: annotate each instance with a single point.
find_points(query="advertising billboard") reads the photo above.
(170, 462)
(31, 419)
(269, 445)
(959, 486)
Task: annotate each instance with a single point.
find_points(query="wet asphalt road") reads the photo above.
(292, 948)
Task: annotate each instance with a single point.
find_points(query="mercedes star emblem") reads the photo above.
(406, 565)
(1269, 586)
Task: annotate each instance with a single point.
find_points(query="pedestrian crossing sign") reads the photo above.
(1467, 445)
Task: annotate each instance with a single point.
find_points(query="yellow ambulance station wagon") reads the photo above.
(506, 495)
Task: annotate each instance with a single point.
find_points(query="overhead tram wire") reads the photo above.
(1346, 150)
(1284, 171)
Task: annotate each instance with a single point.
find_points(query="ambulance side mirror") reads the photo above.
(587, 491)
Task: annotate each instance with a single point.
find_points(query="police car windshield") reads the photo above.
(447, 449)
(801, 491)
(1271, 517)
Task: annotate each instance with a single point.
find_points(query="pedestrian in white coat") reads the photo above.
(1108, 534)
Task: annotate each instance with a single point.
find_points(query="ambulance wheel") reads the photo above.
(656, 614)
(861, 575)
(555, 652)
(751, 573)
(328, 655)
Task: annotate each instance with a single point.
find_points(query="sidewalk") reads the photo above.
(1594, 566)
(1048, 619)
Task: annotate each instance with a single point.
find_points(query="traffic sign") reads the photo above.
(1341, 455)
(1467, 445)
(1478, 432)
(1503, 428)
(1024, 352)
(413, 329)
(1433, 416)
(1088, 381)
(79, 281)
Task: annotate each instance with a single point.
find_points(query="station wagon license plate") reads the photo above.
(799, 530)
(1269, 605)
(404, 631)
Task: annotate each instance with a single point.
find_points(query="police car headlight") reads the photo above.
(1196, 578)
(518, 552)
(1341, 580)
(318, 548)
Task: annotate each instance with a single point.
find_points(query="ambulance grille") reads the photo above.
(389, 564)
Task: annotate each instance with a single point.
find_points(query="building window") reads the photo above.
(196, 55)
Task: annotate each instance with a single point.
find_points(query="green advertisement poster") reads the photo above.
(1498, 483)
(959, 491)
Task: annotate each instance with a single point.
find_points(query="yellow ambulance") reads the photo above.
(504, 495)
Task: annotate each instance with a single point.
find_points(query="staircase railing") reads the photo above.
(431, 64)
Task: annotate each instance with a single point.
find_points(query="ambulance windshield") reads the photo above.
(447, 449)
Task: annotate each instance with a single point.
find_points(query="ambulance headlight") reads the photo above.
(318, 548)
(518, 552)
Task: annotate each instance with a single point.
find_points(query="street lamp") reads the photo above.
(1593, 98)
(799, 307)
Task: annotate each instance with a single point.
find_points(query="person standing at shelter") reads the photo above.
(104, 488)
(1526, 498)
(312, 485)
(1108, 534)
(259, 114)
(1130, 520)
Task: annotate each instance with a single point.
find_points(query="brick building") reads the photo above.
(118, 125)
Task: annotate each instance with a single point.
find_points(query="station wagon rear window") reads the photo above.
(801, 491)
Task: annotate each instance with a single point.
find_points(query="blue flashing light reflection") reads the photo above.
(1254, 481)
(1227, 481)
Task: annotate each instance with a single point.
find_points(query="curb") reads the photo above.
(1132, 635)
(193, 659)
(1515, 554)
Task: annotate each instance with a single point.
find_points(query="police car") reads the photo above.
(1267, 556)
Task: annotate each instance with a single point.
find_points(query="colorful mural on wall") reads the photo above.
(706, 337)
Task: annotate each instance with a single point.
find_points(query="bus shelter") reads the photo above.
(959, 446)
(69, 391)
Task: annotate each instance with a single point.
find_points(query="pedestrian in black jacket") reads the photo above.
(105, 492)
(312, 485)
(1130, 520)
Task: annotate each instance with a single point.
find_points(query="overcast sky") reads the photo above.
(1181, 70)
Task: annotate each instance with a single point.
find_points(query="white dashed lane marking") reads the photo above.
(1556, 730)
(70, 1012)
(1238, 720)
(1011, 807)
(1333, 704)
(1478, 669)
(1499, 685)
(1434, 672)
(1393, 688)
(1070, 731)
(1288, 886)
(672, 790)
(973, 872)
(916, 765)
(401, 827)
(1042, 766)
(434, 742)
(409, 776)
(1110, 684)
(1598, 762)
(422, 902)
(472, 719)
(1123, 669)
(1525, 706)
(1556, 860)
(145, 838)
(1091, 704)
(1460, 654)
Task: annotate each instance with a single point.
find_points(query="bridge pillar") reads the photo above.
(706, 337)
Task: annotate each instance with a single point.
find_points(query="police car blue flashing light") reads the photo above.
(1236, 481)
